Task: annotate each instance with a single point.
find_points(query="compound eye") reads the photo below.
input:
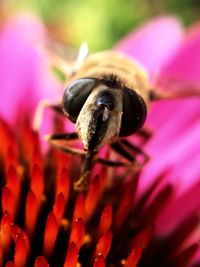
(134, 113)
(75, 96)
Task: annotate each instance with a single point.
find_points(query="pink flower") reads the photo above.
(171, 56)
(149, 219)
(25, 76)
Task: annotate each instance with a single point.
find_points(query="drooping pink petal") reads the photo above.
(25, 74)
(172, 114)
(25, 77)
(176, 122)
(184, 67)
(154, 43)
(178, 210)
(181, 154)
(170, 120)
(175, 148)
(175, 143)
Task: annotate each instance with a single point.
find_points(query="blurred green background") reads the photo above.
(101, 23)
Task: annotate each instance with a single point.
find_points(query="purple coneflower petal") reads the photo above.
(184, 67)
(25, 77)
(174, 147)
(154, 43)
(178, 209)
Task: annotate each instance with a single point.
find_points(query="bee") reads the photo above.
(107, 98)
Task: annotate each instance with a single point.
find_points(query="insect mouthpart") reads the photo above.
(100, 120)
(105, 104)
(96, 123)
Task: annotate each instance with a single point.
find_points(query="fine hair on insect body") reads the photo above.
(107, 97)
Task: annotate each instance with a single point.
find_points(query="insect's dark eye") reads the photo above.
(134, 113)
(75, 96)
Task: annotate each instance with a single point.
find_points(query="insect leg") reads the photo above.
(124, 150)
(135, 149)
(145, 133)
(60, 139)
(129, 151)
(111, 163)
(61, 136)
(43, 104)
(89, 160)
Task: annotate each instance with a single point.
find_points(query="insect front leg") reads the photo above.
(60, 141)
(39, 113)
(112, 163)
(130, 151)
(90, 159)
(136, 150)
(145, 133)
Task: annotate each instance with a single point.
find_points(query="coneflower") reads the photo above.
(148, 218)
(45, 223)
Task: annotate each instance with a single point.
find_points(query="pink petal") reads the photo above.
(181, 157)
(154, 43)
(184, 67)
(24, 74)
(178, 210)
(174, 144)
(178, 111)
